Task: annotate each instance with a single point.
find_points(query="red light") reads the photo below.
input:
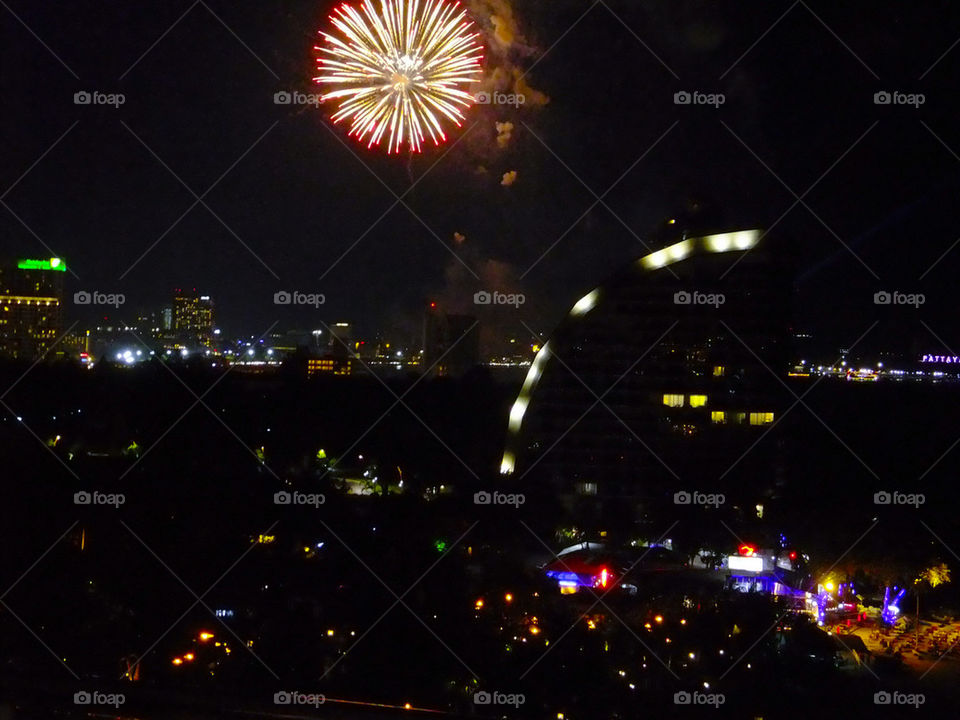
(604, 578)
(433, 304)
(793, 554)
(747, 550)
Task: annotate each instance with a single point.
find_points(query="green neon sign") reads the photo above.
(51, 264)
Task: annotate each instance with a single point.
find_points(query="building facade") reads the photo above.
(31, 307)
(193, 318)
(660, 380)
(451, 343)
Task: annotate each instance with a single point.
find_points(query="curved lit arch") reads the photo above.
(737, 241)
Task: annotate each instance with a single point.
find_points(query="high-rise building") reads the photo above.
(193, 317)
(451, 343)
(340, 344)
(663, 377)
(329, 364)
(31, 307)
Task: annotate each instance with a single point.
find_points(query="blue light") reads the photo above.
(891, 608)
(567, 578)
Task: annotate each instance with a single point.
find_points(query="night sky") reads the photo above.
(293, 200)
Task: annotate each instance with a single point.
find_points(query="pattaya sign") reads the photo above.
(940, 359)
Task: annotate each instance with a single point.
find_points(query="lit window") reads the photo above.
(673, 400)
(719, 370)
(739, 418)
(718, 416)
(698, 400)
(761, 418)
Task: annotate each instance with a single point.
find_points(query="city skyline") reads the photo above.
(479, 358)
(464, 230)
(177, 323)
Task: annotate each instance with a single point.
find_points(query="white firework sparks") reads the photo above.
(399, 69)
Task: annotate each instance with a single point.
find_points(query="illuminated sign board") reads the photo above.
(51, 264)
(740, 562)
(949, 359)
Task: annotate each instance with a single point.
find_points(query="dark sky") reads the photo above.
(798, 80)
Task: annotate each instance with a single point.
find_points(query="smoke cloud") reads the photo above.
(497, 323)
(507, 48)
(504, 133)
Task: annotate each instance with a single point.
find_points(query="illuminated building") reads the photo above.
(584, 568)
(666, 371)
(340, 343)
(451, 343)
(120, 343)
(755, 569)
(329, 364)
(193, 318)
(31, 307)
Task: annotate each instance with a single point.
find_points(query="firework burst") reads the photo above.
(398, 70)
